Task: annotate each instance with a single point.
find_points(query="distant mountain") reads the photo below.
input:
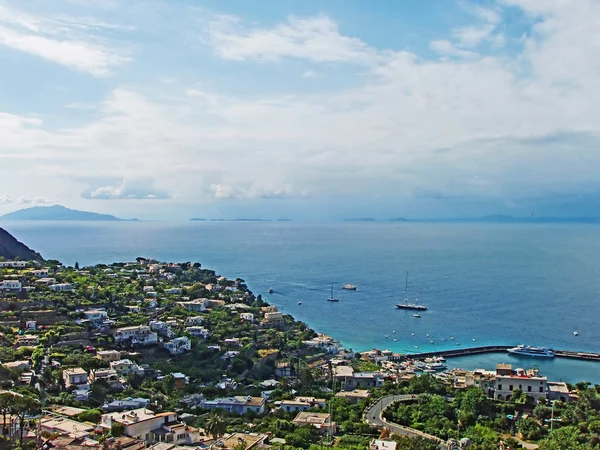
(56, 212)
(398, 219)
(534, 219)
(10, 248)
(198, 219)
(361, 219)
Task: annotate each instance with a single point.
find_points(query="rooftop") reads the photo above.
(251, 439)
(312, 418)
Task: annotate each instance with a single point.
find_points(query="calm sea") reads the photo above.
(483, 283)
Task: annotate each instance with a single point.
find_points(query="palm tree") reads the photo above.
(215, 426)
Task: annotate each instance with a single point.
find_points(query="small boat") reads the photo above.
(417, 315)
(458, 343)
(432, 342)
(299, 303)
(427, 335)
(349, 287)
(394, 331)
(387, 336)
(412, 334)
(417, 347)
(395, 340)
(331, 297)
(271, 290)
(451, 338)
(575, 333)
(474, 340)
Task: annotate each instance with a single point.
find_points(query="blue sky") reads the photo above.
(302, 109)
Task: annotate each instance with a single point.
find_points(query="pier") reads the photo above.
(496, 349)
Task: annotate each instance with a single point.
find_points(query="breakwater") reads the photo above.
(587, 356)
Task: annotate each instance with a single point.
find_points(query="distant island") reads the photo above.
(11, 248)
(57, 212)
(361, 219)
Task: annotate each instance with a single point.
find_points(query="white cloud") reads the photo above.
(471, 36)
(24, 200)
(309, 74)
(139, 189)
(445, 47)
(458, 124)
(62, 40)
(314, 38)
(255, 191)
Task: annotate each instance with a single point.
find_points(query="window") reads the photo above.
(541, 389)
(510, 387)
(499, 387)
(528, 388)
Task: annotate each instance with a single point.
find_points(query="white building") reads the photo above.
(124, 367)
(197, 331)
(178, 345)
(528, 381)
(75, 377)
(13, 264)
(193, 321)
(197, 305)
(302, 404)
(150, 427)
(41, 273)
(239, 404)
(162, 328)
(141, 334)
(249, 317)
(108, 375)
(61, 287)
(11, 285)
(175, 290)
(96, 315)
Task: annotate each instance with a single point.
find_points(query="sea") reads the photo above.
(484, 283)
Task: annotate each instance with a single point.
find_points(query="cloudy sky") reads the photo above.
(301, 109)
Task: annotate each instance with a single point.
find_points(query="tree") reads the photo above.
(76, 265)
(90, 415)
(168, 384)
(414, 443)
(117, 429)
(6, 404)
(23, 407)
(215, 425)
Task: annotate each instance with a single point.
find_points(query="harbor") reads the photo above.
(586, 356)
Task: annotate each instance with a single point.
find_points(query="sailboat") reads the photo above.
(413, 306)
(331, 297)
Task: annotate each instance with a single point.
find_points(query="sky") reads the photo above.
(164, 109)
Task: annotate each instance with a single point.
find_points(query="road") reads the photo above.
(374, 417)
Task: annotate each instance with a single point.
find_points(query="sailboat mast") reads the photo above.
(406, 289)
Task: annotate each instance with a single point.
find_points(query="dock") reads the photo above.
(587, 356)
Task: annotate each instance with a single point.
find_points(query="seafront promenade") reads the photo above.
(586, 356)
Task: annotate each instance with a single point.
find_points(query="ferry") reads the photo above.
(349, 287)
(413, 306)
(538, 352)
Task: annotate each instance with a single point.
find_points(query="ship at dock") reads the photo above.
(537, 352)
(412, 306)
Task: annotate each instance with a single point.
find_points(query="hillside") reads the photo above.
(10, 248)
(56, 212)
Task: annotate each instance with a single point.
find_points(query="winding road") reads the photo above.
(374, 417)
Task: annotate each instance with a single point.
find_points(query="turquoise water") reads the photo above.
(496, 283)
